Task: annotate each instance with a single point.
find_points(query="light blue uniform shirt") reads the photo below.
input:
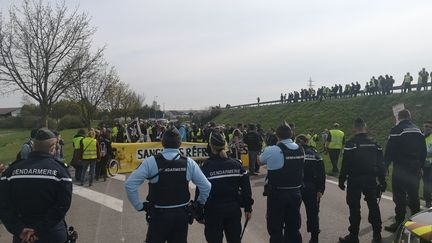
(273, 157)
(149, 168)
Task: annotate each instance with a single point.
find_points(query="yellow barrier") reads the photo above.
(130, 155)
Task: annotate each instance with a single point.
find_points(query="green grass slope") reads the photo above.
(11, 141)
(319, 115)
(375, 110)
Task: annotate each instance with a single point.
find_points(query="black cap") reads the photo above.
(44, 134)
(171, 138)
(217, 139)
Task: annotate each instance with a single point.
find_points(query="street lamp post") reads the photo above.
(155, 106)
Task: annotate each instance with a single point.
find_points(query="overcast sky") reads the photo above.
(200, 53)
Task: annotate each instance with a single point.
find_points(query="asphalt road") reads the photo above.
(102, 213)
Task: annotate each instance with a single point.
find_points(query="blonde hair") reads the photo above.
(91, 134)
(219, 150)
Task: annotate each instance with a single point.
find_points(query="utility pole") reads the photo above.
(310, 83)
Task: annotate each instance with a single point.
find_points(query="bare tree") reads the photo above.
(122, 101)
(43, 51)
(92, 89)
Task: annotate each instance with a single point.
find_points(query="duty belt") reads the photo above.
(285, 187)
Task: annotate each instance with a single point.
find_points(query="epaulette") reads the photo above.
(238, 161)
(62, 163)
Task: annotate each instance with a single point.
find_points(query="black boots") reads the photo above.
(393, 227)
(377, 237)
(349, 239)
(314, 238)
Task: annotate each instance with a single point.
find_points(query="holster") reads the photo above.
(190, 214)
(267, 190)
(150, 212)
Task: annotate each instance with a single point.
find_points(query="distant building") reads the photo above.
(10, 112)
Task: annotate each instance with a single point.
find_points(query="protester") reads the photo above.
(90, 154)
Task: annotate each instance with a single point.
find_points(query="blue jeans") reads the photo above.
(85, 165)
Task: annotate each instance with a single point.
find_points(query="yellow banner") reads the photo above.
(130, 155)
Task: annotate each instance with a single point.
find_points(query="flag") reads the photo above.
(133, 131)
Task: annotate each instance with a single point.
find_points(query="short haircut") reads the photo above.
(359, 123)
(44, 145)
(284, 131)
(404, 115)
(427, 122)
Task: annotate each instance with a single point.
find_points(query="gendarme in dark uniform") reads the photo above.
(285, 163)
(362, 165)
(223, 209)
(314, 186)
(36, 194)
(406, 148)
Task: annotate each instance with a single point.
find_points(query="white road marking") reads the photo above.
(383, 196)
(105, 200)
(119, 177)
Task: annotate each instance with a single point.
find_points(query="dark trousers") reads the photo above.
(334, 158)
(355, 188)
(223, 219)
(427, 183)
(253, 164)
(78, 171)
(283, 216)
(168, 225)
(406, 86)
(312, 210)
(58, 234)
(85, 165)
(405, 185)
(101, 167)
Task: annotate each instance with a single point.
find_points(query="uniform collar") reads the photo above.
(35, 154)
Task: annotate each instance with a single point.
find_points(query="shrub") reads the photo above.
(69, 122)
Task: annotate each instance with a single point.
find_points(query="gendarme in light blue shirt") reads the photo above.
(273, 157)
(148, 168)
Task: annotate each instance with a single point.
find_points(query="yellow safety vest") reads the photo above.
(336, 137)
(407, 79)
(114, 132)
(76, 142)
(428, 141)
(89, 148)
(311, 140)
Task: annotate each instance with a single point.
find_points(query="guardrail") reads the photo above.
(396, 89)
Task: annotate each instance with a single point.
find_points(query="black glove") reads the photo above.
(146, 206)
(198, 211)
(342, 185)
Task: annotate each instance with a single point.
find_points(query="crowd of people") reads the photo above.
(383, 85)
(295, 174)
